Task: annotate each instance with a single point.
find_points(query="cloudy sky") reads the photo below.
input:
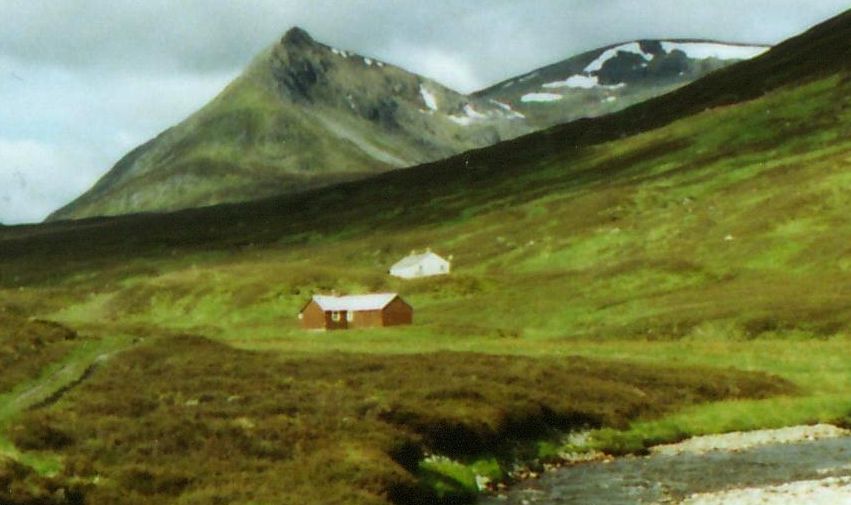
(84, 81)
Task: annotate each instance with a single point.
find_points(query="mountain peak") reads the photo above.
(297, 36)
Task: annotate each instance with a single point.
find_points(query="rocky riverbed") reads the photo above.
(806, 464)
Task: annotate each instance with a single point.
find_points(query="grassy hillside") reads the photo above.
(659, 233)
(710, 235)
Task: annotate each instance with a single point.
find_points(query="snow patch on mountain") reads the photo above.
(428, 98)
(511, 113)
(580, 81)
(540, 97)
(503, 106)
(576, 82)
(632, 47)
(473, 113)
(470, 116)
(461, 120)
(705, 50)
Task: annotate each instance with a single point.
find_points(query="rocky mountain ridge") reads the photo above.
(612, 78)
(302, 115)
(305, 115)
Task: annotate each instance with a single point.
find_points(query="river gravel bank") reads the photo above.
(830, 491)
(804, 464)
(743, 440)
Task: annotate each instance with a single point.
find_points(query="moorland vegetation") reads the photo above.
(698, 232)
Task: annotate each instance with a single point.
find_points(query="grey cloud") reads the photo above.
(495, 37)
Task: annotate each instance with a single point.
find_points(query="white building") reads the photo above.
(420, 265)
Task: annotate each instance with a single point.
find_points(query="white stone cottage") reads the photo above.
(420, 265)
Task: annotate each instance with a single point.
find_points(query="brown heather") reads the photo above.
(185, 420)
(27, 346)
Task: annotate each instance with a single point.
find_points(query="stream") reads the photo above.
(806, 469)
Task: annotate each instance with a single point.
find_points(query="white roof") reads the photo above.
(354, 303)
(415, 259)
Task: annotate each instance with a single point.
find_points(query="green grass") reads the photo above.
(817, 366)
(448, 478)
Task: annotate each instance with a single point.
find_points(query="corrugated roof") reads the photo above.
(413, 260)
(354, 303)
